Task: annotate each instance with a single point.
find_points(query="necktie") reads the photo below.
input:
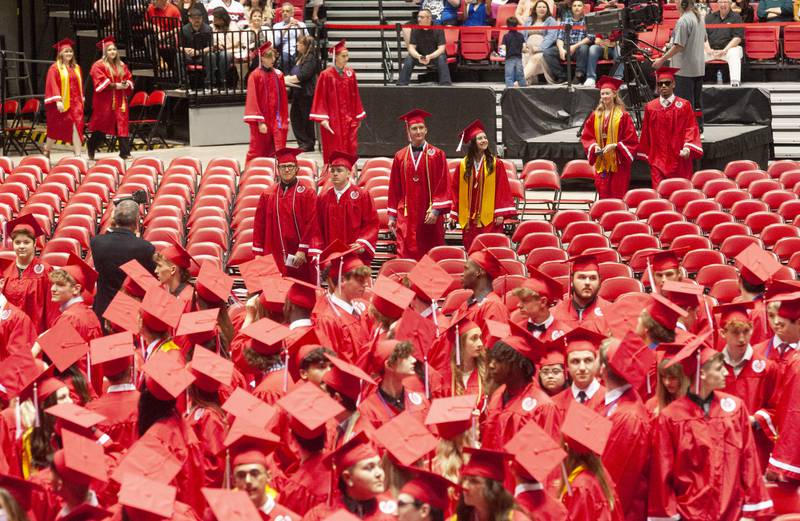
(582, 397)
(782, 348)
(536, 327)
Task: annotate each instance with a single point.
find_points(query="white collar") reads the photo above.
(300, 322)
(527, 487)
(3, 301)
(70, 302)
(118, 388)
(268, 505)
(748, 354)
(547, 323)
(776, 341)
(150, 347)
(341, 303)
(428, 311)
(615, 394)
(590, 391)
(680, 325)
(341, 192)
(667, 102)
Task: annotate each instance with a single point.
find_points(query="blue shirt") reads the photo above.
(578, 32)
(476, 15)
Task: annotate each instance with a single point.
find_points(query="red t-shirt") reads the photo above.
(169, 11)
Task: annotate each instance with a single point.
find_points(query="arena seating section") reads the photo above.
(211, 209)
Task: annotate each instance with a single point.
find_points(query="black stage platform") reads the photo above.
(721, 144)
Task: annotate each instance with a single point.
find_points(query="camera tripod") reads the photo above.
(639, 90)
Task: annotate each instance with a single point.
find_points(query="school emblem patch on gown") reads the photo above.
(598, 312)
(528, 404)
(354, 194)
(415, 398)
(728, 404)
(758, 366)
(388, 506)
(301, 189)
(5, 314)
(38, 269)
(679, 104)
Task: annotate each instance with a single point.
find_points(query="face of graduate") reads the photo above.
(61, 292)
(418, 132)
(582, 366)
(287, 171)
(165, 270)
(474, 492)
(585, 284)
(665, 88)
(737, 338)
(341, 59)
(673, 274)
(482, 141)
(62, 395)
(353, 288)
(534, 307)
(315, 372)
(267, 60)
(339, 176)
(472, 272)
(787, 330)
(772, 312)
(24, 248)
(472, 344)
(607, 97)
(552, 377)
(671, 383)
(365, 479)
(403, 367)
(253, 479)
(67, 55)
(713, 375)
(408, 511)
(498, 372)
(111, 51)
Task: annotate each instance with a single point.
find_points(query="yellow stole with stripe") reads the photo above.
(572, 475)
(485, 193)
(63, 73)
(607, 163)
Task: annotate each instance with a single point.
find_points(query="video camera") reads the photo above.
(139, 197)
(636, 17)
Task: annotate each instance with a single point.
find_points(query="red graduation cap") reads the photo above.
(273, 292)
(300, 347)
(391, 298)
(210, 370)
(75, 416)
(242, 404)
(213, 285)
(80, 272)
(63, 44)
(470, 132)
(608, 82)
(18, 372)
(177, 255)
(81, 460)
(357, 448)
(254, 270)
(757, 266)
(267, 336)
(383, 350)
(288, 155)
(146, 495)
(302, 294)
(406, 438)
(346, 378)
(138, 280)
(160, 311)
(22, 490)
(535, 451)
(581, 339)
(112, 352)
(250, 444)
(525, 343)
(663, 260)
(340, 46)
(790, 305)
(166, 376)
(198, 326)
(692, 356)
(264, 47)
(340, 257)
(415, 116)
(586, 262)
(63, 345)
(429, 280)
(416, 329)
(86, 512)
(343, 159)
(664, 311)
(777, 288)
(585, 430)
(123, 312)
(150, 458)
(231, 505)
(453, 415)
(25, 222)
(488, 262)
(631, 359)
(108, 40)
(734, 311)
(309, 409)
(684, 294)
(543, 284)
(484, 463)
(667, 73)
(428, 487)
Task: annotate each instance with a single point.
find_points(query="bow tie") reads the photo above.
(536, 327)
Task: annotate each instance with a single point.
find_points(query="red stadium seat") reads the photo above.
(693, 209)
(227, 162)
(603, 206)
(790, 178)
(438, 253)
(63, 244)
(117, 163)
(554, 268)
(56, 258)
(584, 241)
(503, 253)
(708, 220)
(195, 163)
(695, 259)
(638, 241)
(794, 260)
(789, 210)
(774, 232)
(538, 164)
(150, 161)
(78, 162)
(604, 254)
(490, 240)
(646, 208)
(610, 219)
(701, 177)
(733, 168)
(761, 43)
(758, 188)
(240, 254)
(475, 43)
(777, 168)
(215, 235)
(785, 273)
(775, 198)
(747, 177)
(625, 228)
(730, 196)
(638, 262)
(723, 230)
(714, 186)
(398, 266)
(741, 209)
(634, 197)
(78, 233)
(25, 178)
(734, 244)
(513, 267)
(669, 186)
(710, 274)
(83, 221)
(42, 162)
(578, 227)
(613, 288)
(757, 221)
(539, 256)
(680, 198)
(658, 220)
(725, 291)
(455, 299)
(577, 170)
(526, 227)
(786, 247)
(673, 230)
(534, 241)
(614, 269)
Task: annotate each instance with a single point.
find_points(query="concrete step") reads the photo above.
(785, 110)
(785, 137)
(787, 151)
(335, 16)
(368, 4)
(785, 98)
(362, 35)
(786, 124)
(59, 14)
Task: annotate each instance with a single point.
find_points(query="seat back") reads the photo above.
(475, 44)
(761, 43)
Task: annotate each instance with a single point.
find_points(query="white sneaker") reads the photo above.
(590, 82)
(735, 84)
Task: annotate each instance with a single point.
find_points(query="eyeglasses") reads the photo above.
(664, 83)
(287, 167)
(551, 372)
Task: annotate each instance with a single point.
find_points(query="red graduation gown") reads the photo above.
(504, 420)
(272, 387)
(336, 99)
(286, 223)
(627, 453)
(565, 399)
(538, 503)
(266, 103)
(593, 317)
(415, 185)
(60, 124)
(552, 332)
(121, 409)
(384, 510)
(348, 334)
(490, 308)
(612, 184)
(353, 218)
(181, 512)
(110, 106)
(665, 132)
(16, 330)
(375, 410)
(588, 502)
(83, 319)
(785, 458)
(706, 467)
(30, 291)
(306, 485)
(210, 427)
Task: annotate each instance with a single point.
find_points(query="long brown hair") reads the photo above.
(472, 151)
(663, 396)
(533, 11)
(592, 463)
(115, 66)
(308, 43)
(499, 500)
(458, 373)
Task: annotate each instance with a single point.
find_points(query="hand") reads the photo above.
(574, 48)
(658, 63)
(684, 153)
(430, 217)
(315, 19)
(562, 53)
(60, 106)
(498, 221)
(262, 128)
(327, 126)
(609, 148)
(359, 246)
(392, 225)
(299, 259)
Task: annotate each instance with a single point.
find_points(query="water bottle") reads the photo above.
(719, 77)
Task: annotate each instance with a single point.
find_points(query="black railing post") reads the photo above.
(398, 28)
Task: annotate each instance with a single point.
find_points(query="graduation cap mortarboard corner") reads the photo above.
(254, 270)
(484, 463)
(608, 82)
(63, 345)
(415, 116)
(231, 505)
(406, 438)
(757, 266)
(391, 298)
(429, 280)
(309, 409)
(543, 284)
(734, 311)
(160, 310)
(302, 294)
(267, 336)
(198, 326)
(287, 155)
(166, 375)
(429, 487)
(343, 159)
(585, 262)
(694, 353)
(81, 460)
(138, 279)
(80, 272)
(488, 262)
(242, 404)
(340, 46)
(684, 294)
(535, 451)
(146, 495)
(666, 73)
(663, 260)
(177, 255)
(585, 430)
(25, 222)
(453, 415)
(75, 415)
(108, 40)
(86, 512)
(470, 132)
(63, 44)
(789, 305)
(357, 448)
(581, 339)
(150, 458)
(210, 370)
(213, 285)
(664, 312)
(346, 378)
(123, 312)
(631, 359)
(264, 47)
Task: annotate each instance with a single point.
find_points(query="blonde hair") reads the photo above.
(449, 457)
(60, 58)
(617, 102)
(116, 64)
(458, 373)
(62, 277)
(662, 394)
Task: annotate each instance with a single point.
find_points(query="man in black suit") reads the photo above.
(116, 247)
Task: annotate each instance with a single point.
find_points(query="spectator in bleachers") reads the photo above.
(315, 11)
(186, 6)
(602, 49)
(513, 43)
(303, 79)
(266, 109)
(227, 46)
(745, 10)
(481, 194)
(287, 31)
(609, 140)
(197, 41)
(444, 12)
(725, 44)
(576, 44)
(63, 99)
(775, 11)
(162, 9)
(426, 46)
(258, 34)
(538, 41)
(476, 14)
(112, 83)
(234, 9)
(263, 6)
(526, 10)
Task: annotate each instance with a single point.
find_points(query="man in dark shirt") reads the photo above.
(426, 46)
(725, 44)
(196, 42)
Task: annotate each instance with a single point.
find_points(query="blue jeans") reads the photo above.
(514, 72)
(558, 70)
(595, 55)
(441, 68)
(216, 64)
